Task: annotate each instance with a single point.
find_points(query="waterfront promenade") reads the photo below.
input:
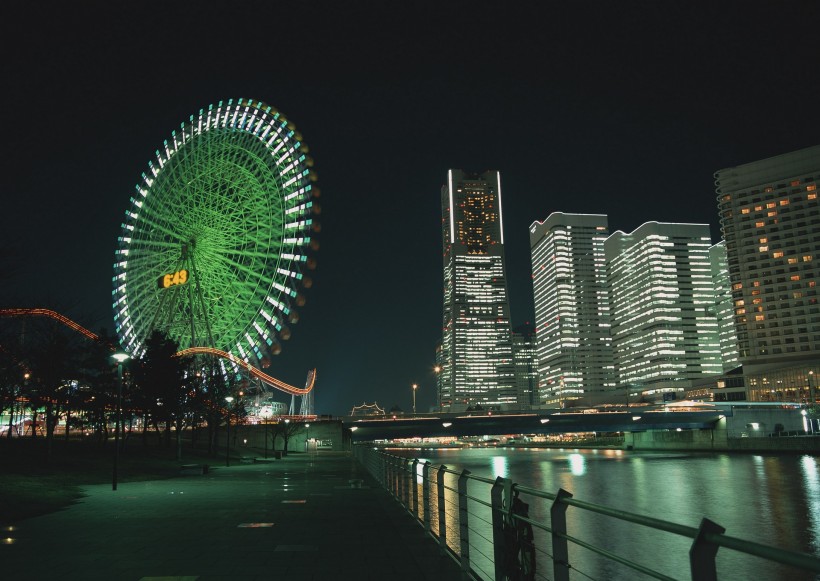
(297, 518)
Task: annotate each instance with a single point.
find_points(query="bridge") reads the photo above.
(633, 419)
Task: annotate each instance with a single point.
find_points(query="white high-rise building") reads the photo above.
(571, 307)
(476, 347)
(722, 308)
(770, 217)
(664, 333)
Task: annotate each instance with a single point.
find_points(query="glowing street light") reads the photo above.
(121, 358)
(415, 387)
(228, 399)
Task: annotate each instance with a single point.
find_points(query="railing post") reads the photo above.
(401, 464)
(425, 484)
(442, 514)
(415, 488)
(560, 552)
(498, 494)
(463, 521)
(702, 553)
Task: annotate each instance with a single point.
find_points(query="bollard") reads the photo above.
(442, 514)
(560, 552)
(425, 484)
(463, 521)
(702, 553)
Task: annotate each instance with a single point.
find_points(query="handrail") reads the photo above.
(398, 474)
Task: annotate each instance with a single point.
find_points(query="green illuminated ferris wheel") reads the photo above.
(218, 234)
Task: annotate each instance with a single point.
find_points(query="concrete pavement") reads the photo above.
(292, 519)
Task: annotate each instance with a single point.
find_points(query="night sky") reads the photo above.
(621, 108)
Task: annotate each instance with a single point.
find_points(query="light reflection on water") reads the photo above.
(773, 500)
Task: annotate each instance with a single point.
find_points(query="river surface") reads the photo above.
(769, 499)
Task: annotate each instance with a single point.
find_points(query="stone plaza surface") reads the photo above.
(296, 518)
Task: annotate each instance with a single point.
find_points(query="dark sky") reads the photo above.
(623, 108)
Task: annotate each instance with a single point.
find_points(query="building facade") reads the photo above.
(476, 348)
(664, 334)
(525, 361)
(571, 300)
(770, 218)
(723, 308)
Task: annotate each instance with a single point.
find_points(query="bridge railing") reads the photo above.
(488, 528)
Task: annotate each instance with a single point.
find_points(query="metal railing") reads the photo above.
(487, 528)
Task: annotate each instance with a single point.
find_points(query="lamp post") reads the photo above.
(120, 357)
(415, 387)
(228, 399)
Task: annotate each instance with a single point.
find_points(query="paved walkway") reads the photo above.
(296, 518)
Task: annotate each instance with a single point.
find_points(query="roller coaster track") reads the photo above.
(264, 377)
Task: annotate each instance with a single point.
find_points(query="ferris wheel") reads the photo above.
(218, 234)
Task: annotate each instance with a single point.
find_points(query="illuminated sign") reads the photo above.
(173, 279)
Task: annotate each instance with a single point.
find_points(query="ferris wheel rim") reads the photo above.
(251, 155)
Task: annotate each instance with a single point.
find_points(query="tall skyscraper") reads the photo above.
(571, 307)
(770, 218)
(664, 333)
(722, 308)
(476, 350)
(526, 365)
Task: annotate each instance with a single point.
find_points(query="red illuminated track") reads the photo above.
(52, 314)
(264, 377)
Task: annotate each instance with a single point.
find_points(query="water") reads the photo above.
(770, 499)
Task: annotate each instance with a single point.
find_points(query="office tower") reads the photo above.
(526, 365)
(571, 307)
(660, 282)
(722, 307)
(477, 366)
(770, 219)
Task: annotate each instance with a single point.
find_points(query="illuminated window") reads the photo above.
(812, 196)
(807, 258)
(758, 208)
(760, 224)
(739, 303)
(757, 301)
(759, 317)
(812, 187)
(756, 283)
(795, 183)
(770, 205)
(764, 249)
(795, 277)
(740, 311)
(784, 202)
(745, 211)
(778, 254)
(737, 286)
(797, 295)
(772, 213)
(764, 240)
(792, 261)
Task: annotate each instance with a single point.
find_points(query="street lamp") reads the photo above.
(120, 357)
(415, 387)
(811, 387)
(228, 399)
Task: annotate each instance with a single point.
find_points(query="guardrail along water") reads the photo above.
(499, 529)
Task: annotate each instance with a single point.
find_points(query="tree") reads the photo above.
(160, 377)
(285, 429)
